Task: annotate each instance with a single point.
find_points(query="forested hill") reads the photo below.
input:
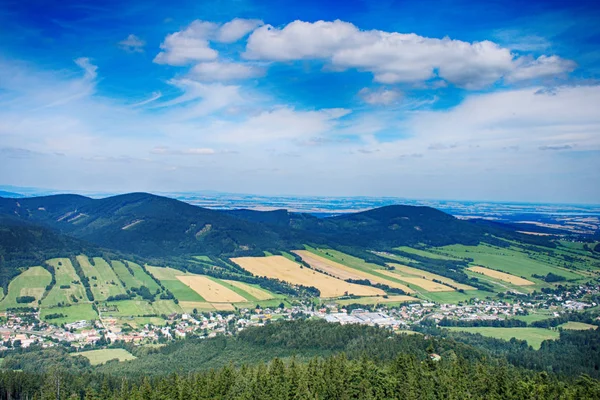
(23, 243)
(149, 225)
(315, 360)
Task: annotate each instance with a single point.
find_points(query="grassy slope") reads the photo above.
(103, 280)
(31, 282)
(73, 313)
(507, 260)
(65, 275)
(168, 277)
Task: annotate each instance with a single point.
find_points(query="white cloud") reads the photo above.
(89, 68)
(192, 44)
(380, 96)
(224, 71)
(542, 67)
(132, 44)
(236, 29)
(188, 46)
(282, 123)
(201, 151)
(392, 57)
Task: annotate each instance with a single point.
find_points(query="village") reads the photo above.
(21, 330)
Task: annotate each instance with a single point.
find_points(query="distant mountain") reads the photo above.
(150, 225)
(10, 194)
(144, 224)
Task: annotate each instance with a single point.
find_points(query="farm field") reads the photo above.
(378, 300)
(515, 280)
(425, 253)
(72, 313)
(259, 294)
(286, 270)
(103, 280)
(97, 357)
(31, 282)
(65, 275)
(141, 277)
(510, 261)
(141, 307)
(455, 296)
(428, 285)
(210, 290)
(430, 276)
(168, 277)
(577, 326)
(533, 336)
(349, 267)
(190, 306)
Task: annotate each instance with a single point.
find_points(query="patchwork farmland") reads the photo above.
(515, 280)
(282, 268)
(103, 280)
(343, 271)
(68, 288)
(405, 270)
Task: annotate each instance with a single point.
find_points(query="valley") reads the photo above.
(198, 273)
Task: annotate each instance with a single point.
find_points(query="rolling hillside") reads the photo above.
(149, 225)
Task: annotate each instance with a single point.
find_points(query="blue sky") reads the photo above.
(424, 99)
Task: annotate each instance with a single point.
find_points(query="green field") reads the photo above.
(31, 282)
(533, 317)
(454, 297)
(577, 326)
(76, 312)
(533, 336)
(138, 308)
(506, 260)
(137, 279)
(425, 253)
(97, 357)
(168, 277)
(103, 280)
(65, 275)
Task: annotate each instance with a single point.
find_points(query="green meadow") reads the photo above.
(31, 282)
(533, 336)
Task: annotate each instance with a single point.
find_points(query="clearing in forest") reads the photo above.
(279, 267)
(515, 280)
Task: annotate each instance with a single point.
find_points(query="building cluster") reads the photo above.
(24, 330)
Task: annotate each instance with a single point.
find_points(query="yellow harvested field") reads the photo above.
(210, 290)
(403, 269)
(430, 286)
(189, 306)
(515, 280)
(377, 300)
(344, 272)
(251, 290)
(223, 306)
(279, 267)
